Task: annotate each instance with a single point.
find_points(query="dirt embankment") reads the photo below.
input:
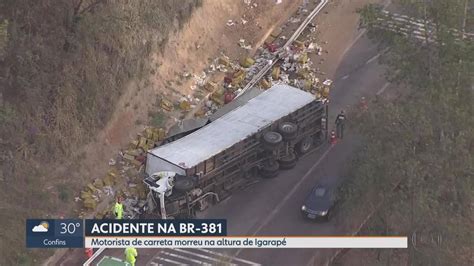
(90, 72)
(205, 37)
(63, 67)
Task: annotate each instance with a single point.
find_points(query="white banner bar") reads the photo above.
(246, 242)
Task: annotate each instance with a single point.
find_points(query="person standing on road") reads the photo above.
(131, 255)
(340, 120)
(363, 104)
(118, 208)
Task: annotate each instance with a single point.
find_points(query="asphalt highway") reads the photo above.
(272, 207)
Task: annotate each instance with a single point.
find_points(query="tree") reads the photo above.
(423, 141)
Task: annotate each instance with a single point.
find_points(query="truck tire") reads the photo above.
(271, 140)
(184, 184)
(270, 169)
(288, 130)
(305, 145)
(288, 161)
(318, 139)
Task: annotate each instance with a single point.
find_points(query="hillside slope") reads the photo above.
(64, 65)
(78, 80)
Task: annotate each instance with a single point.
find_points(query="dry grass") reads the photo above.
(61, 75)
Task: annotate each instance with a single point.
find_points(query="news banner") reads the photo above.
(196, 233)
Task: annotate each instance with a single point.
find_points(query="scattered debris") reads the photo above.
(243, 45)
(276, 72)
(200, 80)
(186, 75)
(327, 82)
(272, 47)
(166, 105)
(210, 86)
(295, 20)
(293, 66)
(184, 105)
(218, 98)
(108, 190)
(247, 62)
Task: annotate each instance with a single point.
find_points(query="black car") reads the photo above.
(319, 203)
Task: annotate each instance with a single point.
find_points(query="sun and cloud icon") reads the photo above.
(42, 227)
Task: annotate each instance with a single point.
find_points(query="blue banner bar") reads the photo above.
(49, 233)
(194, 227)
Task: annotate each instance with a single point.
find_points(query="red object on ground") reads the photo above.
(295, 48)
(89, 252)
(271, 47)
(140, 158)
(228, 97)
(363, 104)
(333, 139)
(227, 80)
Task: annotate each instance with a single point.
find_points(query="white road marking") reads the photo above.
(96, 254)
(373, 58)
(377, 55)
(176, 256)
(202, 256)
(184, 258)
(167, 260)
(345, 77)
(383, 88)
(225, 200)
(220, 254)
(288, 196)
(312, 151)
(362, 32)
(172, 261)
(354, 41)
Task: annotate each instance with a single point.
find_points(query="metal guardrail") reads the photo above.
(282, 49)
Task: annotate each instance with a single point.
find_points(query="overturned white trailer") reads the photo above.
(250, 137)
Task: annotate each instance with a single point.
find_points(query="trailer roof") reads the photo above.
(237, 102)
(233, 127)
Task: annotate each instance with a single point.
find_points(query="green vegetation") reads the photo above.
(63, 66)
(3, 37)
(417, 161)
(157, 119)
(65, 192)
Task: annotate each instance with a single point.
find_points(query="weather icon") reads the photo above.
(42, 227)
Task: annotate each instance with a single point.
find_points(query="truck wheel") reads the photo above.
(288, 130)
(304, 145)
(270, 169)
(272, 140)
(184, 184)
(318, 139)
(288, 161)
